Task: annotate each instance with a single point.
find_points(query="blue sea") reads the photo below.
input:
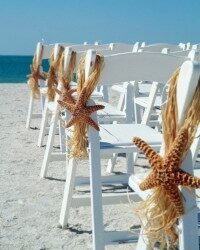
(13, 69)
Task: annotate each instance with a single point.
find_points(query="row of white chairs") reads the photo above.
(116, 138)
(124, 114)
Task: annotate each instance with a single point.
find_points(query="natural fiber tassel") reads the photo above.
(52, 80)
(36, 75)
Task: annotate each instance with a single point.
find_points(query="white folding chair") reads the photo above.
(108, 115)
(114, 138)
(148, 106)
(47, 51)
(104, 95)
(188, 226)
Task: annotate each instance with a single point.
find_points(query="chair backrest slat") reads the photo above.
(139, 66)
(158, 47)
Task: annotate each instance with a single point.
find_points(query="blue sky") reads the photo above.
(24, 22)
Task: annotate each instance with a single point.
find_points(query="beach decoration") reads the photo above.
(52, 75)
(36, 75)
(160, 211)
(65, 77)
(80, 112)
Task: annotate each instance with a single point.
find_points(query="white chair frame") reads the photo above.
(118, 68)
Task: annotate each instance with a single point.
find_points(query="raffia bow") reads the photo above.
(52, 77)
(65, 79)
(36, 75)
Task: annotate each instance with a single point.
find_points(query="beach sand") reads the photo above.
(30, 206)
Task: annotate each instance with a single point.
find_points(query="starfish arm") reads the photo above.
(149, 183)
(66, 105)
(174, 157)
(68, 92)
(58, 91)
(187, 180)
(174, 196)
(69, 99)
(71, 122)
(90, 122)
(154, 158)
(95, 108)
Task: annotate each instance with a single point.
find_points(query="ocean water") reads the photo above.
(13, 69)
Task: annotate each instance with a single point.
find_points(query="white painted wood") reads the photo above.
(158, 47)
(122, 47)
(68, 192)
(187, 83)
(151, 100)
(95, 170)
(111, 163)
(188, 235)
(49, 146)
(139, 66)
(43, 126)
(105, 180)
(30, 111)
(107, 199)
(62, 137)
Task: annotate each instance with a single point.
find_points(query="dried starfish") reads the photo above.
(36, 74)
(80, 112)
(66, 95)
(166, 172)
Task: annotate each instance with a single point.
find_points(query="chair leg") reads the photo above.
(43, 127)
(42, 101)
(49, 147)
(95, 191)
(62, 137)
(137, 113)
(141, 245)
(68, 192)
(30, 111)
(129, 163)
(188, 224)
(111, 164)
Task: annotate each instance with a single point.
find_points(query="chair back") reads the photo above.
(160, 46)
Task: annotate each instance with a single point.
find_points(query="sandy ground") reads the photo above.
(30, 206)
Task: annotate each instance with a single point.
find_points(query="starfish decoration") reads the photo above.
(165, 171)
(66, 93)
(36, 74)
(80, 112)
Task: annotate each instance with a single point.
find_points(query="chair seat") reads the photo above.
(144, 101)
(144, 89)
(110, 113)
(116, 135)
